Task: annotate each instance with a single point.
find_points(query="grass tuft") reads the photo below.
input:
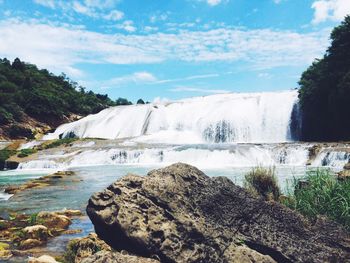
(262, 181)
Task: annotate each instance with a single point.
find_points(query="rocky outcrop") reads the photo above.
(117, 257)
(178, 214)
(40, 182)
(81, 248)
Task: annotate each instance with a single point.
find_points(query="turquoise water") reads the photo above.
(74, 192)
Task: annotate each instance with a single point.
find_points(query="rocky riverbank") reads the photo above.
(178, 214)
(23, 235)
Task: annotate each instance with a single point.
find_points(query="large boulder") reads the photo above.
(178, 214)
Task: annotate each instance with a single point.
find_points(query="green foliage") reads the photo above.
(33, 219)
(322, 195)
(26, 152)
(24, 89)
(325, 91)
(60, 142)
(122, 101)
(140, 101)
(262, 182)
(5, 154)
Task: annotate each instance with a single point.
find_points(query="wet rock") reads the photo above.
(42, 259)
(347, 166)
(53, 220)
(38, 232)
(30, 243)
(181, 215)
(5, 252)
(81, 248)
(70, 213)
(116, 257)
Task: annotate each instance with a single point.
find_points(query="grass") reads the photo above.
(60, 142)
(262, 182)
(321, 193)
(26, 152)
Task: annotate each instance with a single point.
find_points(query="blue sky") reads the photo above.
(171, 48)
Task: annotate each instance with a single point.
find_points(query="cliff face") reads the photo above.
(178, 214)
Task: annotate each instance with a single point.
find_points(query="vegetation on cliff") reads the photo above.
(28, 93)
(325, 91)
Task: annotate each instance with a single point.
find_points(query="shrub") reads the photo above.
(26, 152)
(60, 142)
(262, 181)
(322, 195)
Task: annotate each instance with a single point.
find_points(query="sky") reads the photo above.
(171, 49)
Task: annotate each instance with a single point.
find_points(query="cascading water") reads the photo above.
(242, 117)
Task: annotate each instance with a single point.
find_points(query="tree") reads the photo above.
(325, 91)
(122, 101)
(18, 65)
(140, 101)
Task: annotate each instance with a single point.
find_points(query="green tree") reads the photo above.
(325, 91)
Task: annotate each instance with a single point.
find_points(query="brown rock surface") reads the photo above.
(117, 257)
(181, 215)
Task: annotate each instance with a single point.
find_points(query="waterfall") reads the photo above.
(237, 117)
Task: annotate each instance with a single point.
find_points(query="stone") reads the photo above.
(53, 220)
(38, 232)
(179, 214)
(43, 259)
(5, 252)
(347, 166)
(81, 248)
(30, 243)
(116, 257)
(70, 212)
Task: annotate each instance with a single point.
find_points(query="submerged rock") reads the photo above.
(40, 182)
(179, 214)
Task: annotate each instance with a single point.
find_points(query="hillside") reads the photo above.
(34, 101)
(325, 91)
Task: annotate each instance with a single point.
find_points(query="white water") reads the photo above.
(241, 117)
(330, 158)
(204, 156)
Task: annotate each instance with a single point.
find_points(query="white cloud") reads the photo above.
(277, 1)
(127, 25)
(47, 3)
(61, 48)
(213, 2)
(205, 76)
(334, 10)
(201, 90)
(91, 8)
(136, 78)
(114, 15)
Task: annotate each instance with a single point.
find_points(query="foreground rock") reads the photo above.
(178, 214)
(91, 249)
